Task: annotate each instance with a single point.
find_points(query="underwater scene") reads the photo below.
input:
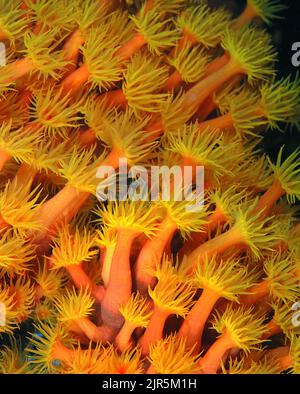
(149, 187)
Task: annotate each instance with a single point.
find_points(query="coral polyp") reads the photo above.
(143, 228)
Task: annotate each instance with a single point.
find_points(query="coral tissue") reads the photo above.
(146, 285)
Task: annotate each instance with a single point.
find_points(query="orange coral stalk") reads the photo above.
(173, 81)
(272, 329)
(211, 362)
(24, 5)
(87, 137)
(257, 292)
(115, 98)
(196, 95)
(82, 280)
(155, 129)
(246, 16)
(193, 325)
(213, 221)
(25, 174)
(3, 224)
(120, 282)
(18, 69)
(155, 328)
(61, 352)
(217, 63)
(113, 158)
(71, 49)
(67, 202)
(185, 40)
(61, 207)
(221, 122)
(132, 46)
(269, 198)
(53, 208)
(73, 82)
(74, 207)
(265, 10)
(151, 370)
(231, 238)
(93, 332)
(208, 106)
(71, 46)
(24, 100)
(151, 254)
(123, 339)
(4, 158)
(282, 354)
(106, 255)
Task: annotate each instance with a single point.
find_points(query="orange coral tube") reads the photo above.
(131, 47)
(120, 282)
(87, 137)
(154, 330)
(52, 209)
(73, 82)
(4, 158)
(72, 45)
(214, 246)
(18, 69)
(211, 362)
(257, 292)
(269, 198)
(203, 89)
(62, 353)
(221, 122)
(272, 329)
(25, 174)
(173, 81)
(151, 254)
(82, 280)
(93, 332)
(193, 325)
(114, 98)
(123, 339)
(246, 16)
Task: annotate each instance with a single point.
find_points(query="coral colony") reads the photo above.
(93, 284)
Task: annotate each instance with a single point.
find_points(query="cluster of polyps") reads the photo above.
(145, 286)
